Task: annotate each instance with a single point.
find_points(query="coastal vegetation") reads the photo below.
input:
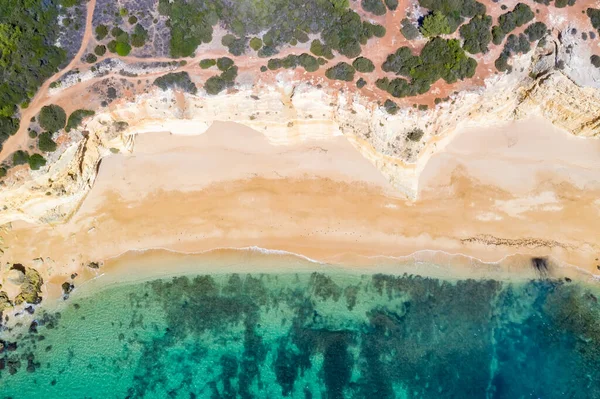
(52, 118)
(176, 80)
(77, 117)
(216, 84)
(439, 59)
(28, 54)
(341, 71)
(304, 60)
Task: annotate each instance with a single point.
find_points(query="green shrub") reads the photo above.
(391, 4)
(255, 43)
(8, 126)
(28, 56)
(516, 44)
(36, 161)
(373, 6)
(45, 142)
(77, 117)
(3, 171)
(435, 24)
(139, 36)
(308, 62)
(439, 59)
(536, 31)
(101, 32)
(498, 35)
(215, 85)
(360, 83)
(20, 157)
(390, 107)
(207, 63)
(595, 60)
(320, 50)
(364, 65)
(594, 16)
(502, 64)
(52, 118)
(519, 16)
(465, 8)
(123, 49)
(273, 64)
(132, 20)
(341, 71)
(180, 80)
(401, 62)
(408, 30)
(32, 134)
(112, 46)
(224, 63)
(415, 135)
(100, 50)
(90, 58)
(476, 34)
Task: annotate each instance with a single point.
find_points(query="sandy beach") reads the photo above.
(490, 200)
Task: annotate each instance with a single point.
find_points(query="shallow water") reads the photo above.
(313, 336)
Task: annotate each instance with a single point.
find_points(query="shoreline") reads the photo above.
(184, 197)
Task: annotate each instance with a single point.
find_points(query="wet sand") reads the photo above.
(230, 188)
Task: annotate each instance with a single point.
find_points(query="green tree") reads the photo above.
(52, 118)
(435, 24)
(122, 49)
(36, 161)
(364, 65)
(45, 142)
(341, 71)
(20, 157)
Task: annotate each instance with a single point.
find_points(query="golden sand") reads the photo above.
(490, 200)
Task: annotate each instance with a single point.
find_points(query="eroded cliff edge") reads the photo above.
(290, 112)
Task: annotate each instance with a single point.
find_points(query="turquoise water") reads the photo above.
(313, 336)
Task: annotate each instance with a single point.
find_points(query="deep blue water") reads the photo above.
(313, 336)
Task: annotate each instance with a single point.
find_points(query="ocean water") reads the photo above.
(312, 336)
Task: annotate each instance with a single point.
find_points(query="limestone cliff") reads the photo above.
(291, 112)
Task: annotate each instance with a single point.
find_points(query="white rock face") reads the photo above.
(291, 112)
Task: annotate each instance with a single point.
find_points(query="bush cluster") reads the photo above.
(435, 24)
(363, 65)
(180, 80)
(305, 60)
(45, 142)
(28, 56)
(439, 59)
(8, 127)
(595, 60)
(557, 3)
(375, 7)
(341, 71)
(408, 30)
(390, 107)
(536, 31)
(216, 84)
(77, 117)
(207, 63)
(594, 16)
(321, 50)
(279, 21)
(476, 34)
(510, 20)
(52, 118)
